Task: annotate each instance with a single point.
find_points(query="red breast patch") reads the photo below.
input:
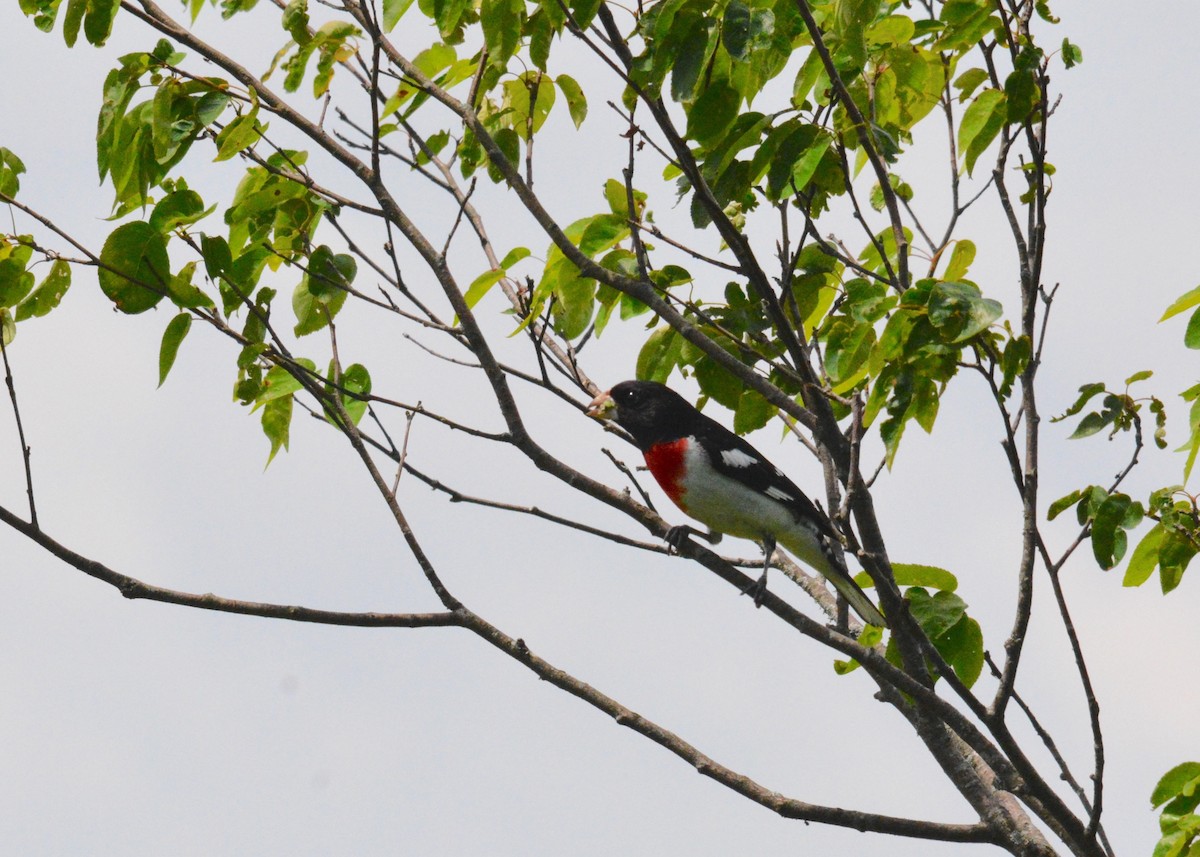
(665, 461)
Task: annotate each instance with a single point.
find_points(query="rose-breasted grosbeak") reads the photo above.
(722, 481)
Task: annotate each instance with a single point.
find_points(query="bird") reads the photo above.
(720, 480)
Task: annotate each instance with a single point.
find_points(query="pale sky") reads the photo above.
(136, 728)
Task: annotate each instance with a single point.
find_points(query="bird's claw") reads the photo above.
(757, 589)
(676, 536)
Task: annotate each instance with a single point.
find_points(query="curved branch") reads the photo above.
(133, 588)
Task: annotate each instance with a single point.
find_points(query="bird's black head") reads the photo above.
(651, 412)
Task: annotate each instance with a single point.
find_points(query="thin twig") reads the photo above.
(26, 452)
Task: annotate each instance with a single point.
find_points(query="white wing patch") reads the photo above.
(737, 458)
(780, 494)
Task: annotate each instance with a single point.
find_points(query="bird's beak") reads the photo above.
(602, 407)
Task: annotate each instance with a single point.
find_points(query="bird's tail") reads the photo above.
(857, 599)
(815, 548)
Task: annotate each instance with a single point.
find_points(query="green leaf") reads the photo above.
(177, 329)
(501, 21)
(1191, 337)
(962, 647)
(47, 295)
(575, 304)
(585, 11)
(806, 167)
(935, 613)
(1145, 557)
(1091, 424)
(1063, 503)
(735, 30)
(98, 20)
(1108, 530)
(576, 100)
(689, 61)
(276, 424)
(8, 327)
(970, 80)
(480, 286)
(528, 100)
(713, 112)
(392, 12)
(659, 355)
(1072, 54)
(15, 281)
(279, 382)
(329, 272)
(356, 381)
(178, 208)
(1185, 301)
(847, 347)
(322, 291)
(72, 21)
(183, 293)
(753, 412)
(718, 383)
(135, 268)
(11, 168)
(960, 260)
(981, 123)
(893, 30)
(960, 311)
(513, 256)
(240, 133)
(1182, 779)
(908, 574)
(1086, 393)
(540, 33)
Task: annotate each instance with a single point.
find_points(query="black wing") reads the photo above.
(736, 458)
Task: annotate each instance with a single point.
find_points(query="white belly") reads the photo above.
(726, 506)
(722, 504)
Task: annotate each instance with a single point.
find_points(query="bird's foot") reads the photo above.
(676, 536)
(757, 590)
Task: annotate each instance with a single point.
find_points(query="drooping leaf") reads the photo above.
(11, 168)
(98, 18)
(135, 268)
(659, 355)
(241, 133)
(356, 381)
(1063, 503)
(576, 100)
(393, 10)
(981, 123)
(502, 21)
(16, 281)
(276, 424)
(713, 112)
(753, 412)
(962, 647)
(1145, 557)
(48, 294)
(1072, 54)
(173, 336)
(481, 285)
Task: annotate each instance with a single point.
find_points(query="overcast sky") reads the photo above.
(143, 729)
